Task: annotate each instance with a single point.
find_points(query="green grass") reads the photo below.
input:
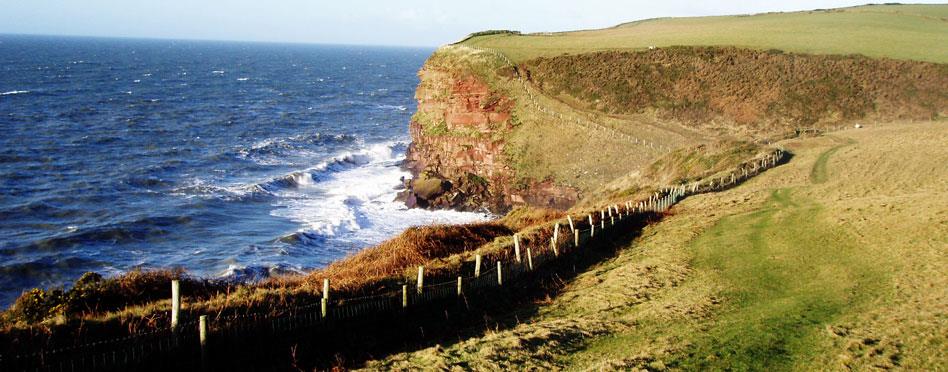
(819, 174)
(786, 277)
(912, 32)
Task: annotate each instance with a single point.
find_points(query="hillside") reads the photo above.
(833, 260)
(830, 261)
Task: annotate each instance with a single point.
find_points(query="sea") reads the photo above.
(234, 161)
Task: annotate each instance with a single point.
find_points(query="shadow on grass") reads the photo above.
(350, 344)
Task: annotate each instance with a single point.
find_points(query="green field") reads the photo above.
(912, 32)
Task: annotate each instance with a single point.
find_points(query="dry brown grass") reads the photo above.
(745, 88)
(413, 247)
(419, 245)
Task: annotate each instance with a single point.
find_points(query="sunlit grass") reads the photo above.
(914, 32)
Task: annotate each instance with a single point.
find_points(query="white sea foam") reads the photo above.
(393, 107)
(12, 92)
(243, 79)
(355, 203)
(218, 72)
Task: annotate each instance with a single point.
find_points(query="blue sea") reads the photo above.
(230, 160)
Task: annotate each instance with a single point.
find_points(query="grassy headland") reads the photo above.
(910, 32)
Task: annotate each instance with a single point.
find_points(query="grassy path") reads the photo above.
(819, 173)
(785, 276)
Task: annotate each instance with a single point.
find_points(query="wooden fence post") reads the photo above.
(500, 275)
(556, 233)
(175, 303)
(421, 279)
(477, 266)
(530, 258)
(570, 219)
(460, 290)
(404, 296)
(326, 288)
(592, 231)
(576, 238)
(202, 337)
(517, 247)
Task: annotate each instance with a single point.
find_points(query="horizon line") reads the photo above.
(159, 38)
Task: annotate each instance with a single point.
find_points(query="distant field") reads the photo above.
(911, 32)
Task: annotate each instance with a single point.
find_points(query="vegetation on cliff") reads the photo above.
(742, 87)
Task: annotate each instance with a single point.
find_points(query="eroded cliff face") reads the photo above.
(457, 155)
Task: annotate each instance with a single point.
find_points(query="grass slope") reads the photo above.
(914, 32)
(785, 272)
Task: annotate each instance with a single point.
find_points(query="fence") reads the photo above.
(188, 340)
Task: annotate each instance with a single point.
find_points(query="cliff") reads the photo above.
(550, 131)
(459, 150)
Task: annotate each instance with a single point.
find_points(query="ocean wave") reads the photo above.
(114, 233)
(41, 266)
(392, 107)
(284, 145)
(198, 187)
(339, 163)
(294, 180)
(45, 209)
(254, 273)
(355, 205)
(12, 92)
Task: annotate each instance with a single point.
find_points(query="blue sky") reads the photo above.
(404, 22)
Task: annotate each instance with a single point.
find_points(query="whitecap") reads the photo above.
(392, 107)
(352, 200)
(12, 92)
(243, 79)
(218, 72)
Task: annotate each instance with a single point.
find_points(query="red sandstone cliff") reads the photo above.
(457, 151)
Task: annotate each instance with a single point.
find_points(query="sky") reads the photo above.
(362, 22)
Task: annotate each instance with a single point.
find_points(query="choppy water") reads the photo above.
(227, 159)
